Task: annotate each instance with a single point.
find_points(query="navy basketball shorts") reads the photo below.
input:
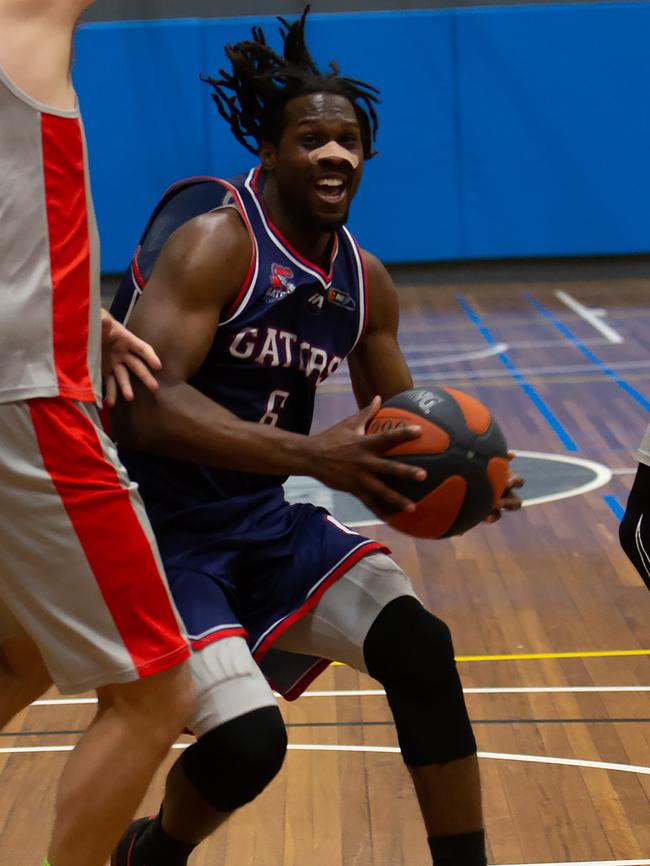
(228, 681)
(256, 576)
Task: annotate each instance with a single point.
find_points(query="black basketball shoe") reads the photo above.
(123, 855)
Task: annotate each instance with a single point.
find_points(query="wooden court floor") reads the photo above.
(551, 624)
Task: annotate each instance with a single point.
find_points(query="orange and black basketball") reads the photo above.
(463, 452)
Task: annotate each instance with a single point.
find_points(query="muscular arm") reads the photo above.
(198, 273)
(72, 9)
(36, 46)
(377, 366)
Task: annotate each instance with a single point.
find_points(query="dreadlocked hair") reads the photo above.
(251, 98)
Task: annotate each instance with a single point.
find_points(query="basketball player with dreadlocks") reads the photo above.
(252, 292)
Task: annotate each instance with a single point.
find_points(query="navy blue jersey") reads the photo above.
(289, 328)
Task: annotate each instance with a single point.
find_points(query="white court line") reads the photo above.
(560, 370)
(494, 756)
(392, 750)
(506, 690)
(408, 346)
(489, 352)
(624, 471)
(493, 690)
(60, 702)
(457, 357)
(334, 382)
(588, 863)
(602, 476)
(24, 750)
(591, 316)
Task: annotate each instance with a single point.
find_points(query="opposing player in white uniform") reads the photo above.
(634, 530)
(81, 586)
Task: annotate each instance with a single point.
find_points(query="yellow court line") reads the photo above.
(566, 655)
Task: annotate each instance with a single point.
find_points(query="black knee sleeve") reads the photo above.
(410, 652)
(233, 763)
(634, 529)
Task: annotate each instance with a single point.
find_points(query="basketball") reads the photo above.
(463, 451)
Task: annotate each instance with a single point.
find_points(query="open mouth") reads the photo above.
(331, 189)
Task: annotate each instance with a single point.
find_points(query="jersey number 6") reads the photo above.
(274, 406)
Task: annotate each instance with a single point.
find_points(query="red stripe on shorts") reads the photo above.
(67, 220)
(115, 544)
(312, 600)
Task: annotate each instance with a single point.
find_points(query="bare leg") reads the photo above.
(449, 797)
(108, 773)
(23, 676)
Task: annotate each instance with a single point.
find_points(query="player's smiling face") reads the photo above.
(318, 162)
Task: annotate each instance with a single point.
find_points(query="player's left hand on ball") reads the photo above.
(509, 500)
(124, 354)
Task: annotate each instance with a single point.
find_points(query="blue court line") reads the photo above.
(615, 506)
(611, 501)
(528, 390)
(593, 358)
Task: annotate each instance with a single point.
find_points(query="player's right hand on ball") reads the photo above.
(346, 458)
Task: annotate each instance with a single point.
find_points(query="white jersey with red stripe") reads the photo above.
(50, 337)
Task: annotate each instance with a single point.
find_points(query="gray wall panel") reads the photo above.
(108, 10)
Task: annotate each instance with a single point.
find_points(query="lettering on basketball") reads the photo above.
(426, 400)
(383, 425)
(272, 347)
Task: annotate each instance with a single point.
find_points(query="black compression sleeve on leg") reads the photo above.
(154, 846)
(410, 652)
(465, 849)
(233, 763)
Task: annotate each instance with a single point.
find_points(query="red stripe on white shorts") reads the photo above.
(109, 530)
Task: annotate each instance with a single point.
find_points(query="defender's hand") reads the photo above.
(346, 458)
(122, 352)
(509, 501)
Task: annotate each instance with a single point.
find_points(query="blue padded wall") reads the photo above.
(555, 126)
(145, 121)
(514, 131)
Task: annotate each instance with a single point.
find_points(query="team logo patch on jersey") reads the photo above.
(281, 284)
(341, 299)
(314, 302)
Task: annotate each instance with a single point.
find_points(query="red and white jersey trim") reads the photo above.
(282, 244)
(246, 291)
(363, 286)
(262, 646)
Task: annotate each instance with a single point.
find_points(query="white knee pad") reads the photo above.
(337, 627)
(228, 684)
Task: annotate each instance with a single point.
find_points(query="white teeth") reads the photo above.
(330, 181)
